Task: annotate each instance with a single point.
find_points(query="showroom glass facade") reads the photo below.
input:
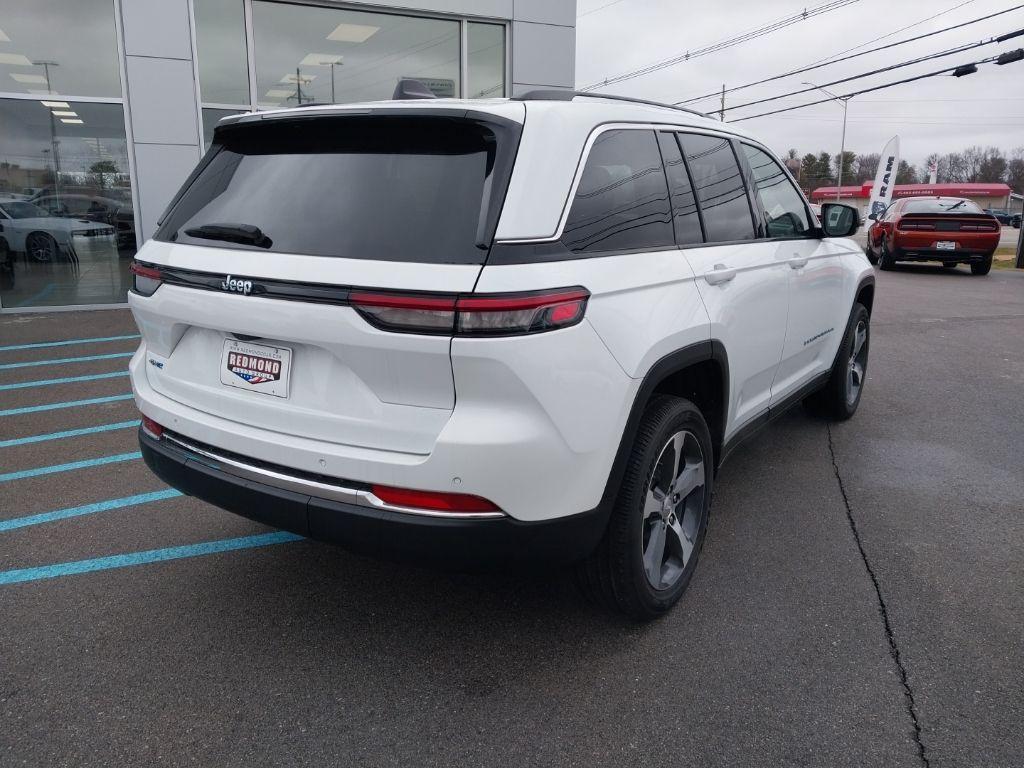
(67, 162)
(65, 175)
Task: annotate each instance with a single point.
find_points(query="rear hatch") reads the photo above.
(948, 222)
(250, 274)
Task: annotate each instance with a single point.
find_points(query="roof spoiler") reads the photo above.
(408, 88)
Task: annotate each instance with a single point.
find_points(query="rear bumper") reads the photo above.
(920, 247)
(443, 542)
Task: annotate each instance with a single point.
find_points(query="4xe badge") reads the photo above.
(254, 369)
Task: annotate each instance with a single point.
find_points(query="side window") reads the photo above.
(783, 205)
(622, 200)
(684, 204)
(720, 191)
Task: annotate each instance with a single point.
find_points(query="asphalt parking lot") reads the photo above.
(859, 601)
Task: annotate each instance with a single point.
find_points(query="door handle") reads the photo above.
(719, 274)
(798, 261)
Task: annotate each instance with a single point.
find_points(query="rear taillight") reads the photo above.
(146, 278)
(907, 225)
(435, 501)
(473, 315)
(151, 428)
(979, 228)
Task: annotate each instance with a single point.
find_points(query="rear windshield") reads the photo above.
(946, 205)
(387, 188)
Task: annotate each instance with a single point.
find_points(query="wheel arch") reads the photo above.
(698, 372)
(866, 293)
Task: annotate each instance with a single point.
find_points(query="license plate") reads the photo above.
(256, 367)
(945, 245)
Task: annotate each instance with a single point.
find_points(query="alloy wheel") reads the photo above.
(673, 509)
(857, 364)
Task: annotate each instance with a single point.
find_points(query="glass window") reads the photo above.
(684, 205)
(210, 119)
(720, 190)
(59, 46)
(393, 189)
(622, 199)
(310, 54)
(486, 64)
(941, 205)
(220, 40)
(783, 206)
(65, 204)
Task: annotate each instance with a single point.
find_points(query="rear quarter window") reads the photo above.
(415, 189)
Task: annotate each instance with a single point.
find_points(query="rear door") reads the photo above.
(742, 282)
(260, 254)
(817, 315)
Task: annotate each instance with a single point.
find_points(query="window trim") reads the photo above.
(673, 136)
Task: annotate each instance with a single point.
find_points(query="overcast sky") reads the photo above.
(942, 114)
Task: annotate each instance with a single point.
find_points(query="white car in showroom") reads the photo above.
(28, 229)
(476, 333)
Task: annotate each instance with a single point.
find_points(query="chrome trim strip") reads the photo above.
(331, 491)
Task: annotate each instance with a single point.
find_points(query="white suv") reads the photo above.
(476, 333)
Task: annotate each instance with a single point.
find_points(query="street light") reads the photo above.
(332, 64)
(842, 146)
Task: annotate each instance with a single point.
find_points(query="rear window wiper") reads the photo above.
(956, 205)
(247, 234)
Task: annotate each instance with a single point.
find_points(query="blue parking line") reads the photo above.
(142, 558)
(68, 343)
(68, 433)
(69, 404)
(87, 509)
(63, 360)
(54, 468)
(65, 380)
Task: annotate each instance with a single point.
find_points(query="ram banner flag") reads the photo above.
(885, 178)
(933, 172)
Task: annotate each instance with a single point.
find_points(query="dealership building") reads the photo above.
(994, 196)
(107, 105)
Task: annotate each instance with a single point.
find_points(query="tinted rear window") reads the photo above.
(384, 188)
(941, 206)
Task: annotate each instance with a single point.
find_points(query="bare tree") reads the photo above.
(867, 167)
(1015, 170)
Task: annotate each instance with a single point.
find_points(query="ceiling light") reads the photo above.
(320, 60)
(15, 58)
(71, 120)
(353, 33)
(4, 38)
(296, 79)
(29, 78)
(56, 104)
(64, 113)
(279, 94)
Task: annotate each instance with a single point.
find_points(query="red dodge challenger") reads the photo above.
(947, 229)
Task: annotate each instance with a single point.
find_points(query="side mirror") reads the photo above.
(838, 220)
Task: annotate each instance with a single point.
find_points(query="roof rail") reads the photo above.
(555, 94)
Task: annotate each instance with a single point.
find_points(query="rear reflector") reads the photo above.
(146, 279)
(473, 315)
(433, 500)
(151, 428)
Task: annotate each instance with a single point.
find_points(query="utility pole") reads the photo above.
(54, 143)
(721, 111)
(332, 65)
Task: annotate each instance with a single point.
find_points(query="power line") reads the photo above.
(936, 73)
(599, 8)
(830, 61)
(918, 60)
(727, 43)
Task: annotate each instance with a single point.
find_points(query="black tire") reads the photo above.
(887, 260)
(870, 253)
(982, 267)
(614, 575)
(839, 399)
(949, 265)
(6, 266)
(41, 247)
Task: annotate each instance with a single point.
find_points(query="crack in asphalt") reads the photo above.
(883, 610)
